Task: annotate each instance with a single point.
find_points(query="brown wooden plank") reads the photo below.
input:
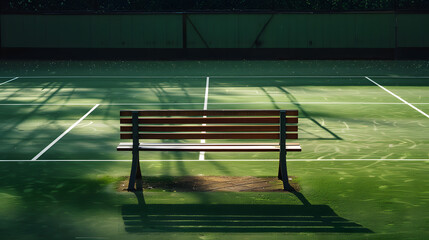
(213, 120)
(209, 136)
(216, 128)
(211, 148)
(209, 112)
(207, 144)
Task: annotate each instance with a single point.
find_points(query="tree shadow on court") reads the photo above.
(46, 200)
(34, 114)
(307, 115)
(239, 218)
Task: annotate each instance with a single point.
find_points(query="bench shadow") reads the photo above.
(240, 218)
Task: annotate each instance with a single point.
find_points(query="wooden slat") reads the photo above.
(209, 136)
(213, 120)
(211, 148)
(209, 112)
(229, 128)
(205, 144)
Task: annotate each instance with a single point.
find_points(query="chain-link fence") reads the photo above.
(111, 6)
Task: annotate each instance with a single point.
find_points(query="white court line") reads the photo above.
(112, 76)
(409, 104)
(9, 80)
(318, 76)
(206, 94)
(63, 134)
(224, 76)
(228, 160)
(161, 104)
(92, 104)
(206, 99)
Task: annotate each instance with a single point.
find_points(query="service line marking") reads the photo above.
(229, 160)
(409, 104)
(206, 99)
(64, 133)
(10, 80)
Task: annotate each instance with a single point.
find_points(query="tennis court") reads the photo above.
(363, 129)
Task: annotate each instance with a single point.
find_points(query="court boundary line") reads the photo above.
(317, 76)
(10, 80)
(63, 134)
(398, 97)
(220, 76)
(247, 103)
(225, 160)
(202, 155)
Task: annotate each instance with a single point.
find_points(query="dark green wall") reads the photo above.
(294, 31)
(348, 30)
(92, 31)
(413, 30)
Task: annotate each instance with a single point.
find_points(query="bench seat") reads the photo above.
(210, 147)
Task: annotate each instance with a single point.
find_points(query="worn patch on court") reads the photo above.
(212, 184)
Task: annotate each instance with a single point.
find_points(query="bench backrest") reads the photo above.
(209, 124)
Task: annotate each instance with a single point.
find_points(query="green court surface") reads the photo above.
(362, 172)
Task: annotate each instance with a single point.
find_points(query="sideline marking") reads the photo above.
(9, 80)
(206, 98)
(64, 133)
(409, 104)
(230, 160)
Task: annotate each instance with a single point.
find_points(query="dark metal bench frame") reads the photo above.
(136, 176)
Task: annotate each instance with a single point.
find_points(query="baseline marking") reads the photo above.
(63, 134)
(206, 98)
(409, 104)
(222, 76)
(113, 76)
(9, 80)
(161, 104)
(229, 160)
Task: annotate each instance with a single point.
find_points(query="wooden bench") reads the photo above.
(276, 125)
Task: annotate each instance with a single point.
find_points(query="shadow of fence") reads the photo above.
(235, 218)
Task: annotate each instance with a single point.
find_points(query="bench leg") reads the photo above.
(139, 179)
(283, 175)
(135, 175)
